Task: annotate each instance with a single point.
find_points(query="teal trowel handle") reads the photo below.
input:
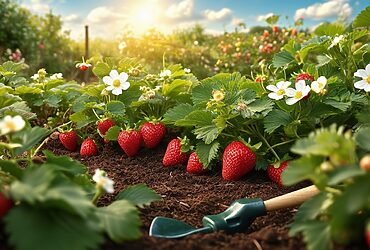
(243, 212)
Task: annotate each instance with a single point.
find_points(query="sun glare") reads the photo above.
(144, 16)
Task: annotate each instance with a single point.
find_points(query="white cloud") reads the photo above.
(221, 15)
(262, 18)
(330, 8)
(71, 18)
(182, 9)
(37, 6)
(103, 14)
(237, 21)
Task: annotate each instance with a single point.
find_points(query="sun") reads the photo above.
(145, 16)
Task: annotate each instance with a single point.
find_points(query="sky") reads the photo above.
(107, 19)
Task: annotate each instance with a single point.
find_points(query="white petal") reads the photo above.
(322, 80)
(109, 88)
(290, 92)
(275, 96)
(125, 85)
(98, 175)
(367, 88)
(361, 73)
(20, 123)
(114, 74)
(272, 88)
(117, 91)
(300, 85)
(108, 80)
(368, 69)
(286, 85)
(291, 101)
(360, 84)
(123, 76)
(315, 87)
(306, 90)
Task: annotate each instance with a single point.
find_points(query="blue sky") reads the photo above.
(111, 17)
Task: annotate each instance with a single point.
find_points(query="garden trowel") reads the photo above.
(235, 218)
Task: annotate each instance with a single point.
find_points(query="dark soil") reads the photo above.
(190, 197)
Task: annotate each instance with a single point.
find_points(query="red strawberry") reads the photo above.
(69, 140)
(194, 165)
(130, 141)
(275, 29)
(238, 159)
(104, 125)
(152, 134)
(174, 156)
(304, 76)
(266, 33)
(275, 172)
(5, 205)
(83, 67)
(88, 148)
(294, 32)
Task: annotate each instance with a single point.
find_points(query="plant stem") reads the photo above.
(267, 143)
(40, 146)
(282, 143)
(97, 195)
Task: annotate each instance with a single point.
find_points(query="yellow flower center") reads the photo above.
(368, 79)
(280, 92)
(218, 95)
(11, 126)
(116, 83)
(298, 95)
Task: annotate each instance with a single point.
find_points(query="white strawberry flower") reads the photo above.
(318, 86)
(365, 75)
(122, 45)
(336, 40)
(56, 76)
(165, 73)
(103, 181)
(11, 124)
(116, 82)
(278, 91)
(295, 95)
(187, 70)
(35, 77)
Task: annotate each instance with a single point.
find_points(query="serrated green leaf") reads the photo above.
(308, 211)
(207, 133)
(64, 164)
(330, 29)
(116, 108)
(275, 119)
(120, 220)
(196, 118)
(362, 138)
(207, 152)
(362, 19)
(112, 133)
(302, 169)
(316, 235)
(20, 108)
(176, 87)
(29, 138)
(56, 230)
(81, 119)
(11, 167)
(178, 112)
(101, 69)
(344, 173)
(27, 90)
(282, 59)
(139, 195)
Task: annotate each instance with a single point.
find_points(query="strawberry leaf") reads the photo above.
(275, 119)
(207, 133)
(139, 195)
(363, 19)
(362, 138)
(29, 138)
(116, 108)
(196, 118)
(120, 220)
(178, 112)
(112, 133)
(207, 152)
(52, 226)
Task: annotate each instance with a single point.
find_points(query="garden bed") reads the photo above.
(189, 198)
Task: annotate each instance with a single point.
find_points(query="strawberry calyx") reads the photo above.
(186, 147)
(253, 147)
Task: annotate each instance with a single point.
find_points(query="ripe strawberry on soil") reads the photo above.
(104, 125)
(88, 148)
(69, 140)
(173, 155)
(238, 159)
(152, 134)
(194, 165)
(275, 173)
(5, 205)
(130, 141)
